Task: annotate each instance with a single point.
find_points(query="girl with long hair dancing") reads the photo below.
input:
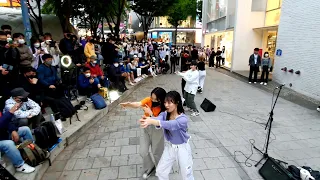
(175, 125)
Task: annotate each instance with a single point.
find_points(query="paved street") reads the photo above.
(110, 149)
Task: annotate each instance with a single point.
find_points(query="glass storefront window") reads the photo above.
(186, 37)
(273, 17)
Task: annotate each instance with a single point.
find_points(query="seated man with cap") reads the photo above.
(28, 113)
(116, 77)
(96, 71)
(11, 134)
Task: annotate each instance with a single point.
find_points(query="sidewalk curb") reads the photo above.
(286, 93)
(75, 132)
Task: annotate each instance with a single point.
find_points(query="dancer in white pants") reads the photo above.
(177, 148)
(150, 136)
(202, 73)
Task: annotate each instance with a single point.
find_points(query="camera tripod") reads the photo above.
(269, 126)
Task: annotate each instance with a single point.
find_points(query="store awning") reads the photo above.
(9, 3)
(266, 28)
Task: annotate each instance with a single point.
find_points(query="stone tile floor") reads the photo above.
(110, 148)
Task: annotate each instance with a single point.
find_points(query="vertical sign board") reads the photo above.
(26, 21)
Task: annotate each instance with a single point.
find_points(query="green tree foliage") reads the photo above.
(147, 10)
(180, 11)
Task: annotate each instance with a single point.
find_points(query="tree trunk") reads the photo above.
(40, 24)
(33, 29)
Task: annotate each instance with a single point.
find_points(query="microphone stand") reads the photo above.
(269, 126)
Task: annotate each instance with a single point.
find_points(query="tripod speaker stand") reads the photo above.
(269, 126)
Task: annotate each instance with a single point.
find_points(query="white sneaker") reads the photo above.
(255, 82)
(195, 114)
(265, 84)
(249, 82)
(318, 109)
(261, 83)
(25, 168)
(187, 109)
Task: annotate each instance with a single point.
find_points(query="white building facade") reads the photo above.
(289, 26)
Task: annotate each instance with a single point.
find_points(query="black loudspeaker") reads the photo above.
(272, 170)
(207, 105)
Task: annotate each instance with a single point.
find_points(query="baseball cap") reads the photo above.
(19, 92)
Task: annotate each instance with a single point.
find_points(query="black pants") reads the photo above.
(58, 92)
(183, 84)
(32, 122)
(177, 61)
(173, 64)
(222, 61)
(253, 70)
(119, 82)
(265, 72)
(211, 62)
(218, 63)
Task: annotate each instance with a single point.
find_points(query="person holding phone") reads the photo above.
(51, 47)
(26, 56)
(152, 107)
(87, 84)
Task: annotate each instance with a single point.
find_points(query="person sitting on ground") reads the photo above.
(144, 67)
(116, 77)
(26, 56)
(7, 146)
(96, 71)
(126, 72)
(29, 112)
(87, 85)
(29, 82)
(49, 79)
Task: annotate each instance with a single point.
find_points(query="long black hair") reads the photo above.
(175, 98)
(161, 95)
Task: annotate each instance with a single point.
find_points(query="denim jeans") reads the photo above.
(10, 149)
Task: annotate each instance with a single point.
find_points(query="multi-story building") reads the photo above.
(288, 27)
(189, 32)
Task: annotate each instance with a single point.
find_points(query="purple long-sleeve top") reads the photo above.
(177, 128)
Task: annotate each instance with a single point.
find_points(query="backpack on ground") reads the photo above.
(98, 101)
(33, 154)
(66, 109)
(46, 135)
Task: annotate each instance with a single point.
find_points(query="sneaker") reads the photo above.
(318, 109)
(195, 114)
(261, 83)
(131, 83)
(255, 82)
(249, 82)
(147, 173)
(25, 168)
(265, 84)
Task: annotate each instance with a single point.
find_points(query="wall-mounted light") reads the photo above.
(291, 71)
(298, 72)
(284, 69)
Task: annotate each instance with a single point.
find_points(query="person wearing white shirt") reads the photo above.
(192, 83)
(254, 63)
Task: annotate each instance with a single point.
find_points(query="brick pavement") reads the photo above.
(110, 149)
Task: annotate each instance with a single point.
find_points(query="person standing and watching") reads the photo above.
(173, 59)
(266, 65)
(89, 49)
(16, 134)
(190, 90)
(26, 56)
(211, 58)
(194, 53)
(218, 58)
(53, 48)
(254, 63)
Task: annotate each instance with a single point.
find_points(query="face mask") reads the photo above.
(48, 41)
(36, 45)
(116, 65)
(49, 62)
(9, 39)
(95, 62)
(88, 74)
(121, 63)
(155, 104)
(31, 77)
(21, 41)
(24, 99)
(266, 55)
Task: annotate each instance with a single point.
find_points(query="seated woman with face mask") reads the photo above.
(87, 85)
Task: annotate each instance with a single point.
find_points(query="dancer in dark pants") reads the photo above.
(211, 58)
(254, 63)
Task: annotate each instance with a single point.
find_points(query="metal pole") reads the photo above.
(26, 21)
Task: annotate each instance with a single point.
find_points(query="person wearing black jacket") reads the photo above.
(7, 146)
(211, 58)
(115, 76)
(109, 51)
(173, 59)
(254, 63)
(218, 58)
(9, 66)
(29, 82)
(194, 53)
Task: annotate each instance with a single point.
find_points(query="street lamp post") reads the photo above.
(26, 21)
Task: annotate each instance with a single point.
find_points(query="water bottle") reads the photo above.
(52, 117)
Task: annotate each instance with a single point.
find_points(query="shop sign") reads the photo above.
(279, 52)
